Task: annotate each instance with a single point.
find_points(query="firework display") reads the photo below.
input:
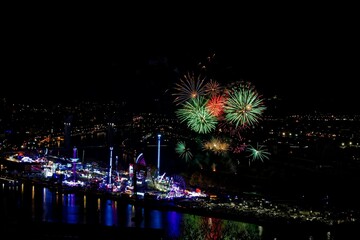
(218, 115)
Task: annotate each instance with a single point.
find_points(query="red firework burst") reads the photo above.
(216, 105)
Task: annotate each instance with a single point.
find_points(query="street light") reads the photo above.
(158, 161)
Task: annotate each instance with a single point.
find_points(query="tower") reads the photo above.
(110, 164)
(74, 160)
(158, 160)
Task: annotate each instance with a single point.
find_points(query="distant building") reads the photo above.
(67, 134)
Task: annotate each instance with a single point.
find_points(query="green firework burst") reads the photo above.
(196, 115)
(259, 153)
(183, 151)
(244, 107)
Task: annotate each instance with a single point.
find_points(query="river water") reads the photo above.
(25, 203)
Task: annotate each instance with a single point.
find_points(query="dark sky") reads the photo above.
(309, 61)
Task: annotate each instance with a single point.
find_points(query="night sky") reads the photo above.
(307, 61)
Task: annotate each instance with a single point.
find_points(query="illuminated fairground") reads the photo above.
(69, 173)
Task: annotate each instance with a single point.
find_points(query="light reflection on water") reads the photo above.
(27, 202)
